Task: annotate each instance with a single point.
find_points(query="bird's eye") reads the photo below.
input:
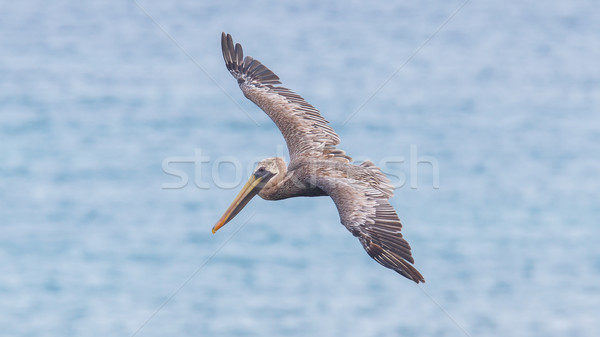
(261, 169)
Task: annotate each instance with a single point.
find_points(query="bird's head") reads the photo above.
(260, 180)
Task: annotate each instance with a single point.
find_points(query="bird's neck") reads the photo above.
(288, 185)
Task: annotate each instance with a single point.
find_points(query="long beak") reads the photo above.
(252, 187)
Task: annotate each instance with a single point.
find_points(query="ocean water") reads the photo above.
(499, 102)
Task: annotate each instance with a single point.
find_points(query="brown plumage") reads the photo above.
(317, 167)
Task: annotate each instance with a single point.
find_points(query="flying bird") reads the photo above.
(317, 168)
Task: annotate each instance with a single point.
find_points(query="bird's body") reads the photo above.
(317, 167)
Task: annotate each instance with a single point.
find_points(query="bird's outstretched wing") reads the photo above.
(361, 196)
(306, 132)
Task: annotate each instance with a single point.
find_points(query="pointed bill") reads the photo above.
(252, 187)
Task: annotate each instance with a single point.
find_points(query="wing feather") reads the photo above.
(305, 131)
(362, 201)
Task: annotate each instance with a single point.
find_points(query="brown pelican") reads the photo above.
(317, 167)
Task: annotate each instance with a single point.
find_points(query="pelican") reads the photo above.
(361, 193)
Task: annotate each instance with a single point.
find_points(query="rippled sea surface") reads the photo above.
(501, 99)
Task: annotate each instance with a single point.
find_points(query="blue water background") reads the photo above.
(94, 97)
